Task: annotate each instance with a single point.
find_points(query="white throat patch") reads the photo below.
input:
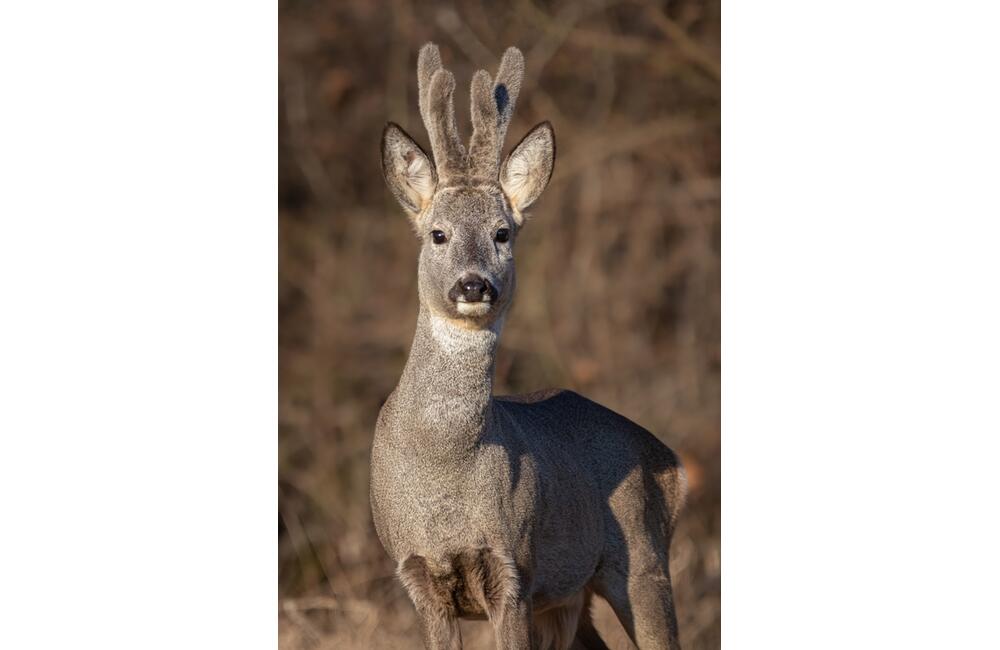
(455, 339)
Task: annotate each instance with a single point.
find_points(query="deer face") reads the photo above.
(466, 207)
(466, 265)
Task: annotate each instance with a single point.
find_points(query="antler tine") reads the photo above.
(509, 76)
(492, 108)
(436, 88)
(483, 154)
(428, 62)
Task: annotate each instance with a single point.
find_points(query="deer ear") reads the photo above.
(528, 168)
(408, 171)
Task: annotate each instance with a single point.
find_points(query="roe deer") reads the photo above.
(514, 509)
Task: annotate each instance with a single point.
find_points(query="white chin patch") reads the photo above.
(473, 308)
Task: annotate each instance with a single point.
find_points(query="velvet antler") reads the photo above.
(436, 88)
(492, 107)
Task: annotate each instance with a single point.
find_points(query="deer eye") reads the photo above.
(438, 237)
(503, 235)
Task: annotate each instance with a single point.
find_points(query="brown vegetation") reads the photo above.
(618, 270)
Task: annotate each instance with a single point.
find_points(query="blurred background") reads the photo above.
(630, 221)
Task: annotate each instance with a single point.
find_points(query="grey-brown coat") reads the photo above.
(515, 509)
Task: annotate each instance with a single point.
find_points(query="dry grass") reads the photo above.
(618, 292)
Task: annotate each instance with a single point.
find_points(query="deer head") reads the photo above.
(465, 206)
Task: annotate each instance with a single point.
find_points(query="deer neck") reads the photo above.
(447, 383)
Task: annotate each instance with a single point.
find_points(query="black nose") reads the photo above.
(472, 288)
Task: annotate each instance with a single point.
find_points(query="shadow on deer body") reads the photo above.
(515, 509)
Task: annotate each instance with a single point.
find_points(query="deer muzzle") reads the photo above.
(473, 288)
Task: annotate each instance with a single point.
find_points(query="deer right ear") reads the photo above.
(528, 168)
(408, 171)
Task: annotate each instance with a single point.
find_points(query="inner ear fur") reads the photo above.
(528, 168)
(408, 170)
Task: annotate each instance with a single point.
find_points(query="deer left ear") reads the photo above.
(408, 171)
(528, 168)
